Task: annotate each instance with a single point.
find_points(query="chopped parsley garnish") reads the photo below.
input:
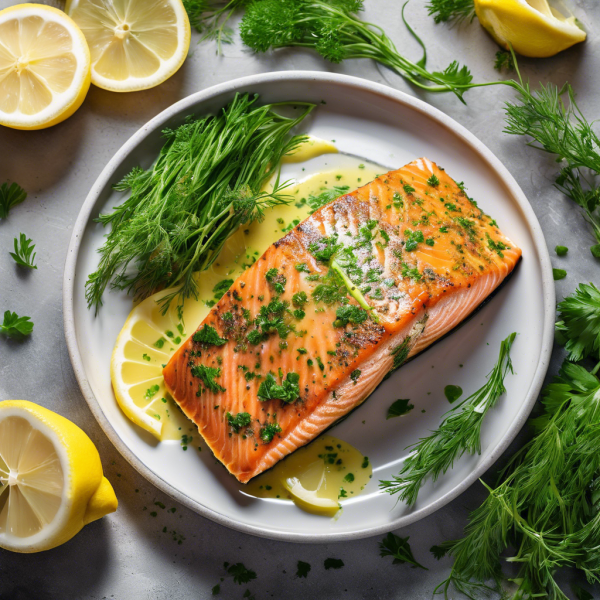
(496, 246)
(240, 573)
(408, 189)
(468, 226)
(302, 268)
(559, 274)
(412, 239)
(325, 197)
(276, 280)
(349, 313)
(411, 272)
(561, 250)
(365, 462)
(222, 287)
(299, 299)
(242, 419)
(299, 314)
(430, 242)
(443, 229)
(451, 206)
(270, 319)
(160, 342)
(355, 375)
(349, 478)
(208, 375)
(208, 335)
(399, 408)
(288, 391)
(343, 493)
(151, 391)
(268, 431)
(433, 181)
(325, 248)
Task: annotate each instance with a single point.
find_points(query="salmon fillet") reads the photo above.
(310, 330)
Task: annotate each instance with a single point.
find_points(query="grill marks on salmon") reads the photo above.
(410, 246)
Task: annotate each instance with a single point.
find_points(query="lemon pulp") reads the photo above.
(317, 478)
(135, 44)
(44, 66)
(51, 481)
(532, 27)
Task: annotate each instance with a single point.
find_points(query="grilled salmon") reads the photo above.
(310, 330)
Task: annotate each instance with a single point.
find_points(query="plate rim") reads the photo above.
(344, 81)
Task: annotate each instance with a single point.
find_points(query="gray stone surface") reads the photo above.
(126, 555)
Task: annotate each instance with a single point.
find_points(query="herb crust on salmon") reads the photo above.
(309, 331)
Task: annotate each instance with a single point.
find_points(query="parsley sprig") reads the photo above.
(23, 252)
(15, 326)
(458, 433)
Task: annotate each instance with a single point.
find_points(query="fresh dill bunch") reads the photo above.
(206, 182)
(547, 505)
(451, 10)
(332, 28)
(458, 433)
(579, 323)
(24, 248)
(560, 128)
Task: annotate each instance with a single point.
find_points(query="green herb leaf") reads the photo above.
(451, 10)
(439, 551)
(333, 563)
(349, 313)
(452, 393)
(23, 252)
(579, 322)
(399, 548)
(504, 60)
(559, 274)
(241, 574)
(15, 326)
(207, 335)
(287, 392)
(303, 569)
(325, 197)
(10, 196)
(221, 288)
(208, 375)
(241, 420)
(399, 408)
(268, 431)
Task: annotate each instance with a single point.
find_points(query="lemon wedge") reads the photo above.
(309, 501)
(51, 481)
(532, 27)
(135, 44)
(44, 66)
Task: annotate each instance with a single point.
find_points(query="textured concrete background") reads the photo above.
(126, 555)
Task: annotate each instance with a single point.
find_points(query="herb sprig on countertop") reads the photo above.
(24, 254)
(15, 326)
(451, 10)
(332, 28)
(546, 506)
(206, 182)
(10, 196)
(458, 433)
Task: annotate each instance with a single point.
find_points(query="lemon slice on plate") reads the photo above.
(135, 44)
(44, 66)
(532, 27)
(51, 481)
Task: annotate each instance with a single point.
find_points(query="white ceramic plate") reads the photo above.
(389, 128)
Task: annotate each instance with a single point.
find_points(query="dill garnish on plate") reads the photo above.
(207, 181)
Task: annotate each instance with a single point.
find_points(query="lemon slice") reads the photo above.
(532, 27)
(135, 44)
(51, 481)
(44, 66)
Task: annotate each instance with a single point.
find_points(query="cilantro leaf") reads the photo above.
(399, 408)
(23, 252)
(580, 322)
(10, 196)
(15, 326)
(208, 335)
(399, 548)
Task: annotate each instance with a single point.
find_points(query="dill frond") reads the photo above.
(451, 10)
(458, 433)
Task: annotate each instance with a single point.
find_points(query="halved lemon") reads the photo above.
(135, 44)
(44, 66)
(532, 27)
(51, 481)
